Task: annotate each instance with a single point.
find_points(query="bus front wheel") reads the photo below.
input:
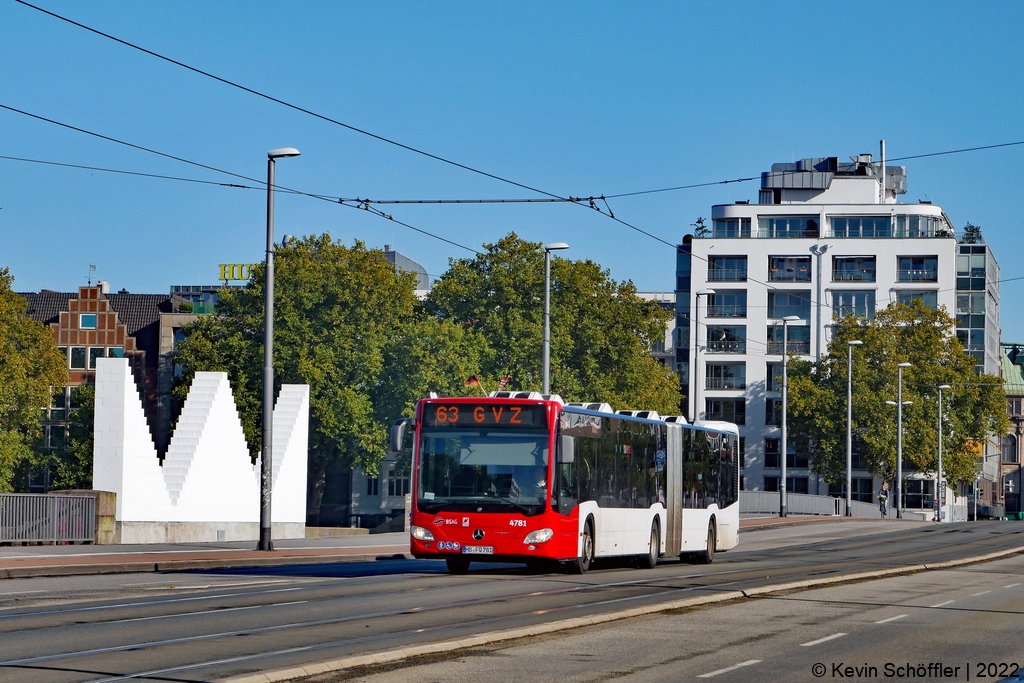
(708, 556)
(582, 563)
(457, 564)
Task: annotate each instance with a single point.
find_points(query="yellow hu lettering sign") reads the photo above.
(236, 271)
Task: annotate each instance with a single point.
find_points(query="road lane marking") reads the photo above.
(943, 604)
(974, 595)
(1011, 585)
(727, 669)
(901, 616)
(209, 611)
(823, 640)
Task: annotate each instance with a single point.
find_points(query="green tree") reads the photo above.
(972, 234)
(71, 465)
(30, 365)
(973, 409)
(700, 228)
(601, 330)
(347, 325)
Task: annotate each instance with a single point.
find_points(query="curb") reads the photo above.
(181, 565)
(577, 622)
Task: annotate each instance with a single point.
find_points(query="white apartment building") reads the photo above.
(825, 240)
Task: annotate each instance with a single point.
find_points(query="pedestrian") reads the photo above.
(883, 499)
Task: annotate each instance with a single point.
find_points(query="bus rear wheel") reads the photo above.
(708, 556)
(457, 564)
(650, 560)
(582, 563)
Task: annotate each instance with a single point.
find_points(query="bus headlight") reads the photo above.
(421, 534)
(539, 536)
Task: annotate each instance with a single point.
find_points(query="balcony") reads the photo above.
(930, 275)
(727, 346)
(800, 348)
(853, 276)
(802, 274)
(727, 275)
(725, 383)
(727, 311)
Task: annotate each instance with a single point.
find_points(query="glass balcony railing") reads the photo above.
(853, 275)
(727, 311)
(931, 275)
(725, 383)
(801, 348)
(717, 346)
(727, 275)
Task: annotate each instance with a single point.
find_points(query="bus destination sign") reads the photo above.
(485, 415)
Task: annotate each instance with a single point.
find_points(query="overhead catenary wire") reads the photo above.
(148, 150)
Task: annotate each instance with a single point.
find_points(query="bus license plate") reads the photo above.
(478, 549)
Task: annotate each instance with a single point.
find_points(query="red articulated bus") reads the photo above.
(520, 477)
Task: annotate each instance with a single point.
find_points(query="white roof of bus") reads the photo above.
(718, 425)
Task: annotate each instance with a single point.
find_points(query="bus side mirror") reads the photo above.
(398, 432)
(566, 450)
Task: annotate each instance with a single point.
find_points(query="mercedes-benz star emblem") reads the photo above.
(478, 534)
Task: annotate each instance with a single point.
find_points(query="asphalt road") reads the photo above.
(959, 624)
(200, 626)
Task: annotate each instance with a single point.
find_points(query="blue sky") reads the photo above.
(573, 98)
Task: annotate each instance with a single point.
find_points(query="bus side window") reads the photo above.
(568, 482)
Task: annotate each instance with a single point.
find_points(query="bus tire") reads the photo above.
(708, 556)
(457, 564)
(650, 560)
(582, 563)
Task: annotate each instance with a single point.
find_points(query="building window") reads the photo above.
(771, 452)
(787, 226)
(773, 377)
(398, 486)
(793, 484)
(798, 339)
(928, 297)
(861, 226)
(1013, 406)
(771, 483)
(94, 353)
(726, 409)
(789, 268)
(782, 304)
(853, 269)
(858, 303)
(372, 486)
(773, 412)
(732, 227)
(115, 352)
(727, 269)
(727, 304)
(78, 358)
(1010, 449)
(87, 321)
(918, 269)
(743, 452)
(920, 226)
(726, 376)
(918, 493)
(727, 339)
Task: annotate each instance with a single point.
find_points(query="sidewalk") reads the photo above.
(69, 560)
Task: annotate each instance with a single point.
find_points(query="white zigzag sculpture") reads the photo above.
(207, 488)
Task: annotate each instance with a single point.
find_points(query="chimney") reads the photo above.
(387, 247)
(104, 286)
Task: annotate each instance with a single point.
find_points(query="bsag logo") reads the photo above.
(438, 521)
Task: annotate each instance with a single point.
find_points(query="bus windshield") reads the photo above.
(482, 470)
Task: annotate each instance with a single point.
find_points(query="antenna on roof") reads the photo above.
(92, 269)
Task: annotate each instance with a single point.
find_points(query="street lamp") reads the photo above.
(899, 403)
(694, 414)
(546, 346)
(267, 454)
(938, 473)
(785, 405)
(849, 422)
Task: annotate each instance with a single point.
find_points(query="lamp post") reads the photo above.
(938, 473)
(849, 423)
(267, 453)
(899, 403)
(785, 405)
(546, 346)
(694, 412)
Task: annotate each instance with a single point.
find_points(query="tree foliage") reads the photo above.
(973, 409)
(30, 365)
(601, 332)
(347, 325)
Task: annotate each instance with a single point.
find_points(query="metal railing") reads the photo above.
(47, 517)
(725, 383)
(853, 275)
(767, 502)
(716, 346)
(727, 274)
(930, 275)
(801, 348)
(727, 311)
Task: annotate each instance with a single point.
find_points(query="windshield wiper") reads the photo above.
(526, 510)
